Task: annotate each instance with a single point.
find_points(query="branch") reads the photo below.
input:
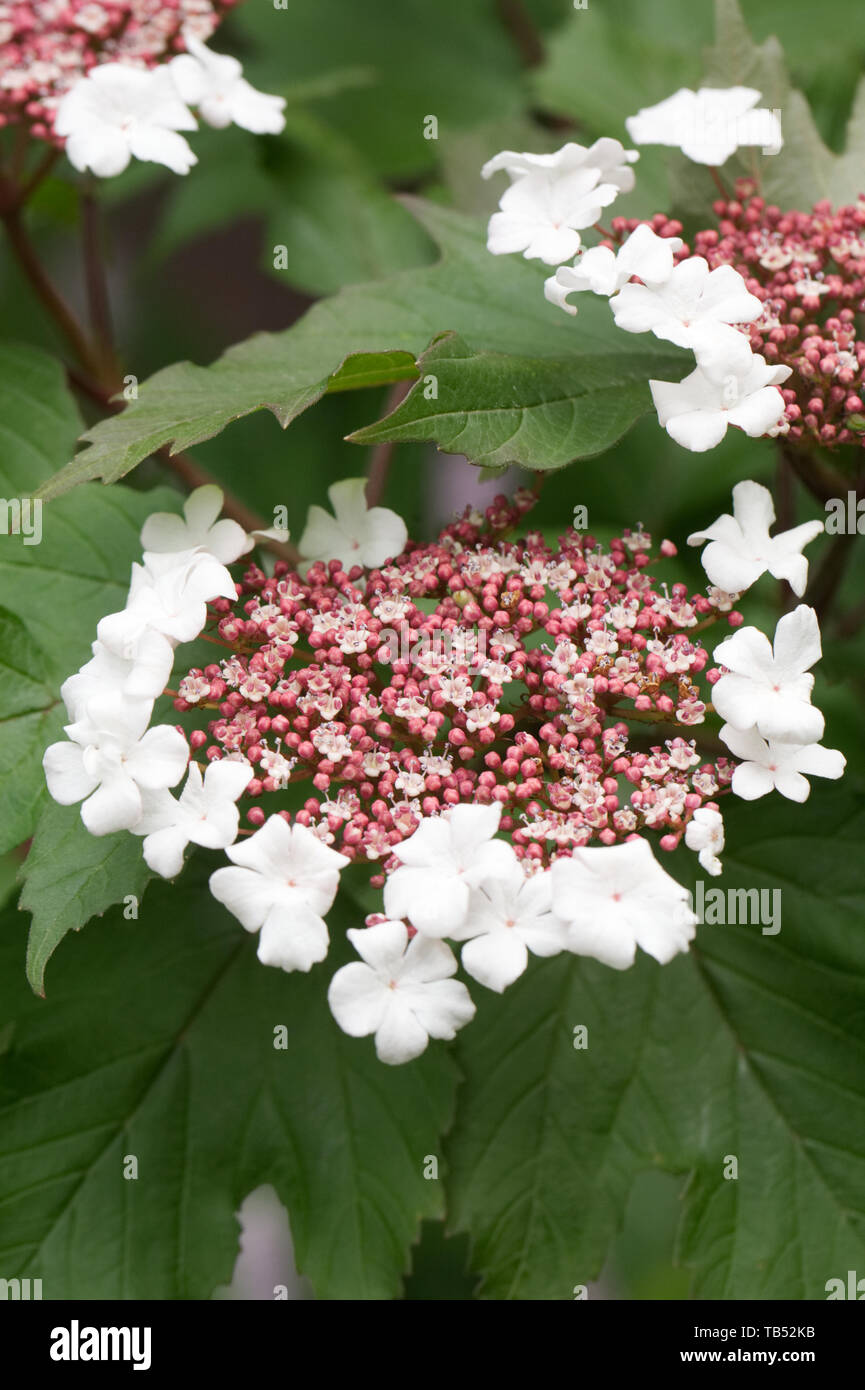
(97, 289)
(381, 455)
(824, 585)
(822, 481)
(521, 27)
(51, 298)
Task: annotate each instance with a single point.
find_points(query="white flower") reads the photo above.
(116, 112)
(553, 196)
(111, 760)
(690, 300)
(704, 834)
(204, 815)
(355, 534)
(141, 677)
(779, 766)
(604, 272)
(442, 861)
(284, 881)
(510, 916)
(403, 992)
(166, 533)
(215, 85)
(771, 689)
(741, 548)
(168, 594)
(617, 898)
(696, 411)
(708, 125)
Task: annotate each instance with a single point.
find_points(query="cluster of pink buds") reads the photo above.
(478, 668)
(47, 46)
(808, 270)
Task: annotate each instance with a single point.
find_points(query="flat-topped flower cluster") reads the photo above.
(113, 80)
(496, 724)
(767, 302)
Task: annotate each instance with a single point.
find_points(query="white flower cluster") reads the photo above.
(455, 881)
(765, 691)
(119, 111)
(552, 197)
(112, 761)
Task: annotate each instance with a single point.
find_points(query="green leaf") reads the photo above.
(71, 876)
(336, 224)
(750, 1047)
(451, 60)
(602, 65)
(540, 413)
(32, 717)
(327, 221)
(159, 1042)
(38, 419)
(494, 303)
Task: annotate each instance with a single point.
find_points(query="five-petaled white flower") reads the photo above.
(708, 125)
(553, 196)
(697, 410)
(198, 528)
(691, 300)
(356, 534)
(769, 765)
(111, 760)
(282, 879)
(616, 898)
(117, 112)
(401, 991)
(770, 687)
(205, 814)
(704, 834)
(740, 548)
(214, 84)
(510, 916)
(604, 272)
(445, 858)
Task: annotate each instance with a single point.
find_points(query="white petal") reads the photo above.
(433, 904)
(400, 1037)
(758, 413)
(116, 805)
(440, 1007)
(163, 851)
(157, 146)
(792, 785)
(381, 946)
(246, 894)
(257, 111)
(797, 640)
(496, 959)
(358, 998)
(750, 781)
(698, 430)
(293, 938)
(65, 775)
(160, 758)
